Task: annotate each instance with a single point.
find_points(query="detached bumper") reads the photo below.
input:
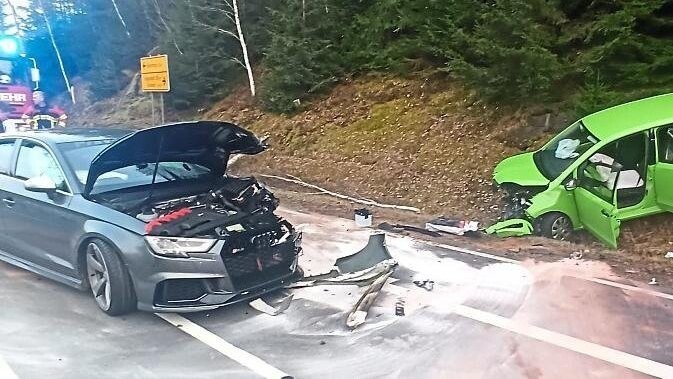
(511, 228)
(213, 280)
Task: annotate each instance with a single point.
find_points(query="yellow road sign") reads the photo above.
(154, 74)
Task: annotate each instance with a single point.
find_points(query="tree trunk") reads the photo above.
(244, 47)
(58, 53)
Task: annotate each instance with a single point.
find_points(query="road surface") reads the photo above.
(486, 317)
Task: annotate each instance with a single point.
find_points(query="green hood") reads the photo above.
(519, 169)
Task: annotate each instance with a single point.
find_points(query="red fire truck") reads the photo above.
(22, 104)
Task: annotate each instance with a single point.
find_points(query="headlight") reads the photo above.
(175, 247)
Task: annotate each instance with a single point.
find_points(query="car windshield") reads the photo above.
(564, 149)
(79, 156)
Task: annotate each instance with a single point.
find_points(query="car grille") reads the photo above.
(258, 260)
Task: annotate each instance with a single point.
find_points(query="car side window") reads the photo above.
(665, 140)
(6, 149)
(34, 160)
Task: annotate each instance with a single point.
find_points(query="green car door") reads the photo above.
(596, 206)
(663, 172)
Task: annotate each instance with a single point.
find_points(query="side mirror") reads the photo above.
(570, 185)
(40, 184)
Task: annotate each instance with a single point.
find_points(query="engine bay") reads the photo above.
(234, 206)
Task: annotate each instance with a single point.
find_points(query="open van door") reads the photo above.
(596, 207)
(663, 171)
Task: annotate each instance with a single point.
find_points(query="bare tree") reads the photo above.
(244, 47)
(232, 14)
(43, 12)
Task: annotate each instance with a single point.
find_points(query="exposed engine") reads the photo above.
(238, 205)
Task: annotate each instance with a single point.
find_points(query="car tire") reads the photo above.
(108, 279)
(555, 226)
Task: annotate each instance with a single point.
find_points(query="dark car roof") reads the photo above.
(56, 136)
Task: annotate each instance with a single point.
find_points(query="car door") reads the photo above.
(6, 158)
(663, 170)
(595, 200)
(39, 225)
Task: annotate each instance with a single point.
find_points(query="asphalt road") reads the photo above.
(486, 317)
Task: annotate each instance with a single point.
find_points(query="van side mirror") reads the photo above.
(40, 184)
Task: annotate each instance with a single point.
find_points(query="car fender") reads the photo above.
(555, 199)
(126, 243)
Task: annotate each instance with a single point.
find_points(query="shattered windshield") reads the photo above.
(564, 149)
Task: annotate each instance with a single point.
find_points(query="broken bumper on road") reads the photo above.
(511, 228)
(215, 279)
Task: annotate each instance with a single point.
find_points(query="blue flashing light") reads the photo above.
(9, 46)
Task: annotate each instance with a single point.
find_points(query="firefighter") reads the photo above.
(44, 116)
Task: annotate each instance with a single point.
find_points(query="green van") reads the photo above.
(609, 167)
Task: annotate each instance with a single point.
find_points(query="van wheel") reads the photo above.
(108, 279)
(555, 226)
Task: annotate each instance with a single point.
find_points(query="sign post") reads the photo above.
(155, 77)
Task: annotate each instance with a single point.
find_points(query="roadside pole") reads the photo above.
(155, 77)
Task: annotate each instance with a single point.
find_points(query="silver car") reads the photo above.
(145, 219)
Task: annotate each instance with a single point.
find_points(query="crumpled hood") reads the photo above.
(207, 143)
(519, 169)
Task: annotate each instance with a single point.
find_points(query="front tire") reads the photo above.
(108, 279)
(555, 226)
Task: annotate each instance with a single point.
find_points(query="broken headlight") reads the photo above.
(176, 247)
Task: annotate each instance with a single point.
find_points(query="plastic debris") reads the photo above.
(457, 227)
(358, 315)
(653, 282)
(399, 307)
(576, 255)
(669, 254)
(427, 285)
(264, 307)
(363, 218)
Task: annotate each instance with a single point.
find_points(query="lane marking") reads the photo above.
(631, 288)
(6, 372)
(241, 356)
(627, 287)
(603, 353)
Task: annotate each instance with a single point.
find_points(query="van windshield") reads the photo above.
(563, 150)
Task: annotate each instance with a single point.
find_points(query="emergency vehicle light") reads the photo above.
(9, 46)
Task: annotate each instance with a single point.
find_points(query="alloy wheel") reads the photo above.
(99, 278)
(561, 228)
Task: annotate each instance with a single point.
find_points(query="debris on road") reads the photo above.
(653, 282)
(295, 180)
(358, 315)
(363, 218)
(399, 228)
(361, 268)
(265, 307)
(576, 255)
(426, 284)
(399, 307)
(517, 227)
(669, 254)
(457, 227)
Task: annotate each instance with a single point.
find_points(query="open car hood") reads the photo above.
(206, 143)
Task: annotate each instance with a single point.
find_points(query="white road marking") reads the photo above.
(631, 288)
(468, 251)
(6, 372)
(241, 356)
(603, 353)
(627, 287)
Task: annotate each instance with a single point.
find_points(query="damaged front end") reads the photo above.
(234, 222)
(515, 222)
(212, 239)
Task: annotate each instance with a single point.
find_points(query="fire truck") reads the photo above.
(22, 104)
